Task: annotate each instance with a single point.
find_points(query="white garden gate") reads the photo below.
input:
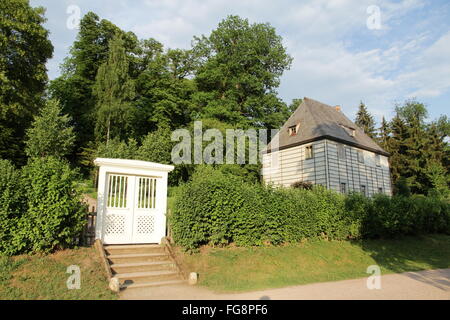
(132, 201)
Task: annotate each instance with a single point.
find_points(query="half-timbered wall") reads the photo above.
(328, 167)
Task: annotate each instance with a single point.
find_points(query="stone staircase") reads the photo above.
(142, 265)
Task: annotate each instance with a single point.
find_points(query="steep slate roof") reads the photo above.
(319, 121)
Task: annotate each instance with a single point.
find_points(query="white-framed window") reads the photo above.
(377, 160)
(360, 156)
(309, 152)
(293, 130)
(363, 189)
(341, 151)
(343, 187)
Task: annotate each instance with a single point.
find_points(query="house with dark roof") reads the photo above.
(319, 144)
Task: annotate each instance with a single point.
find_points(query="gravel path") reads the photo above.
(430, 284)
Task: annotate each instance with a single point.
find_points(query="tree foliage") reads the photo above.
(74, 88)
(51, 133)
(24, 51)
(242, 69)
(419, 150)
(365, 120)
(114, 91)
(40, 208)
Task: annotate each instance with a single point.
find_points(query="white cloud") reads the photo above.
(430, 75)
(336, 58)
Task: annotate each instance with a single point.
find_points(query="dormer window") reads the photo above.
(351, 131)
(293, 130)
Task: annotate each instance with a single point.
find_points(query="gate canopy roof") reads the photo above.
(133, 164)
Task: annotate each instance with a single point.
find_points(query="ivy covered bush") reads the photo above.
(42, 210)
(217, 208)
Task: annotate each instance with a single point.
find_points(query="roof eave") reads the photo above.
(354, 144)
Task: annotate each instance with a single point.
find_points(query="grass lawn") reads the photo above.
(244, 269)
(44, 277)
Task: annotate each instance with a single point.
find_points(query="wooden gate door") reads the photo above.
(148, 225)
(133, 212)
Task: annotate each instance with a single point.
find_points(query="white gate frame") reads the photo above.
(128, 167)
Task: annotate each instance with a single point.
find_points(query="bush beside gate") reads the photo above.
(40, 210)
(218, 209)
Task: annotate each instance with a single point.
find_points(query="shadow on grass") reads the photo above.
(409, 254)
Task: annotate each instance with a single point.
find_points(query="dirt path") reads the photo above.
(430, 284)
(91, 202)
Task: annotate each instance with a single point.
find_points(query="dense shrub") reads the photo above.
(44, 210)
(384, 216)
(11, 205)
(217, 208)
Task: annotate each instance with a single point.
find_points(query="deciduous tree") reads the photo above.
(114, 91)
(242, 67)
(24, 51)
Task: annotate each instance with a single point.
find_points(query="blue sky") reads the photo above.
(337, 59)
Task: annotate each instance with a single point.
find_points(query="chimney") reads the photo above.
(338, 108)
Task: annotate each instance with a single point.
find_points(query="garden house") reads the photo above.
(319, 144)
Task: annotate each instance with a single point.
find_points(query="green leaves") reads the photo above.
(40, 208)
(419, 150)
(114, 91)
(218, 209)
(51, 133)
(24, 51)
(243, 65)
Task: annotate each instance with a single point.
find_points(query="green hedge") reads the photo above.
(218, 209)
(11, 205)
(40, 209)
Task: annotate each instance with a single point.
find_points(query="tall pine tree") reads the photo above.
(419, 151)
(114, 91)
(365, 120)
(383, 135)
(74, 88)
(396, 146)
(413, 114)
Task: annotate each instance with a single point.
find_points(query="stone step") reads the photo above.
(148, 276)
(133, 249)
(142, 266)
(136, 257)
(152, 284)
